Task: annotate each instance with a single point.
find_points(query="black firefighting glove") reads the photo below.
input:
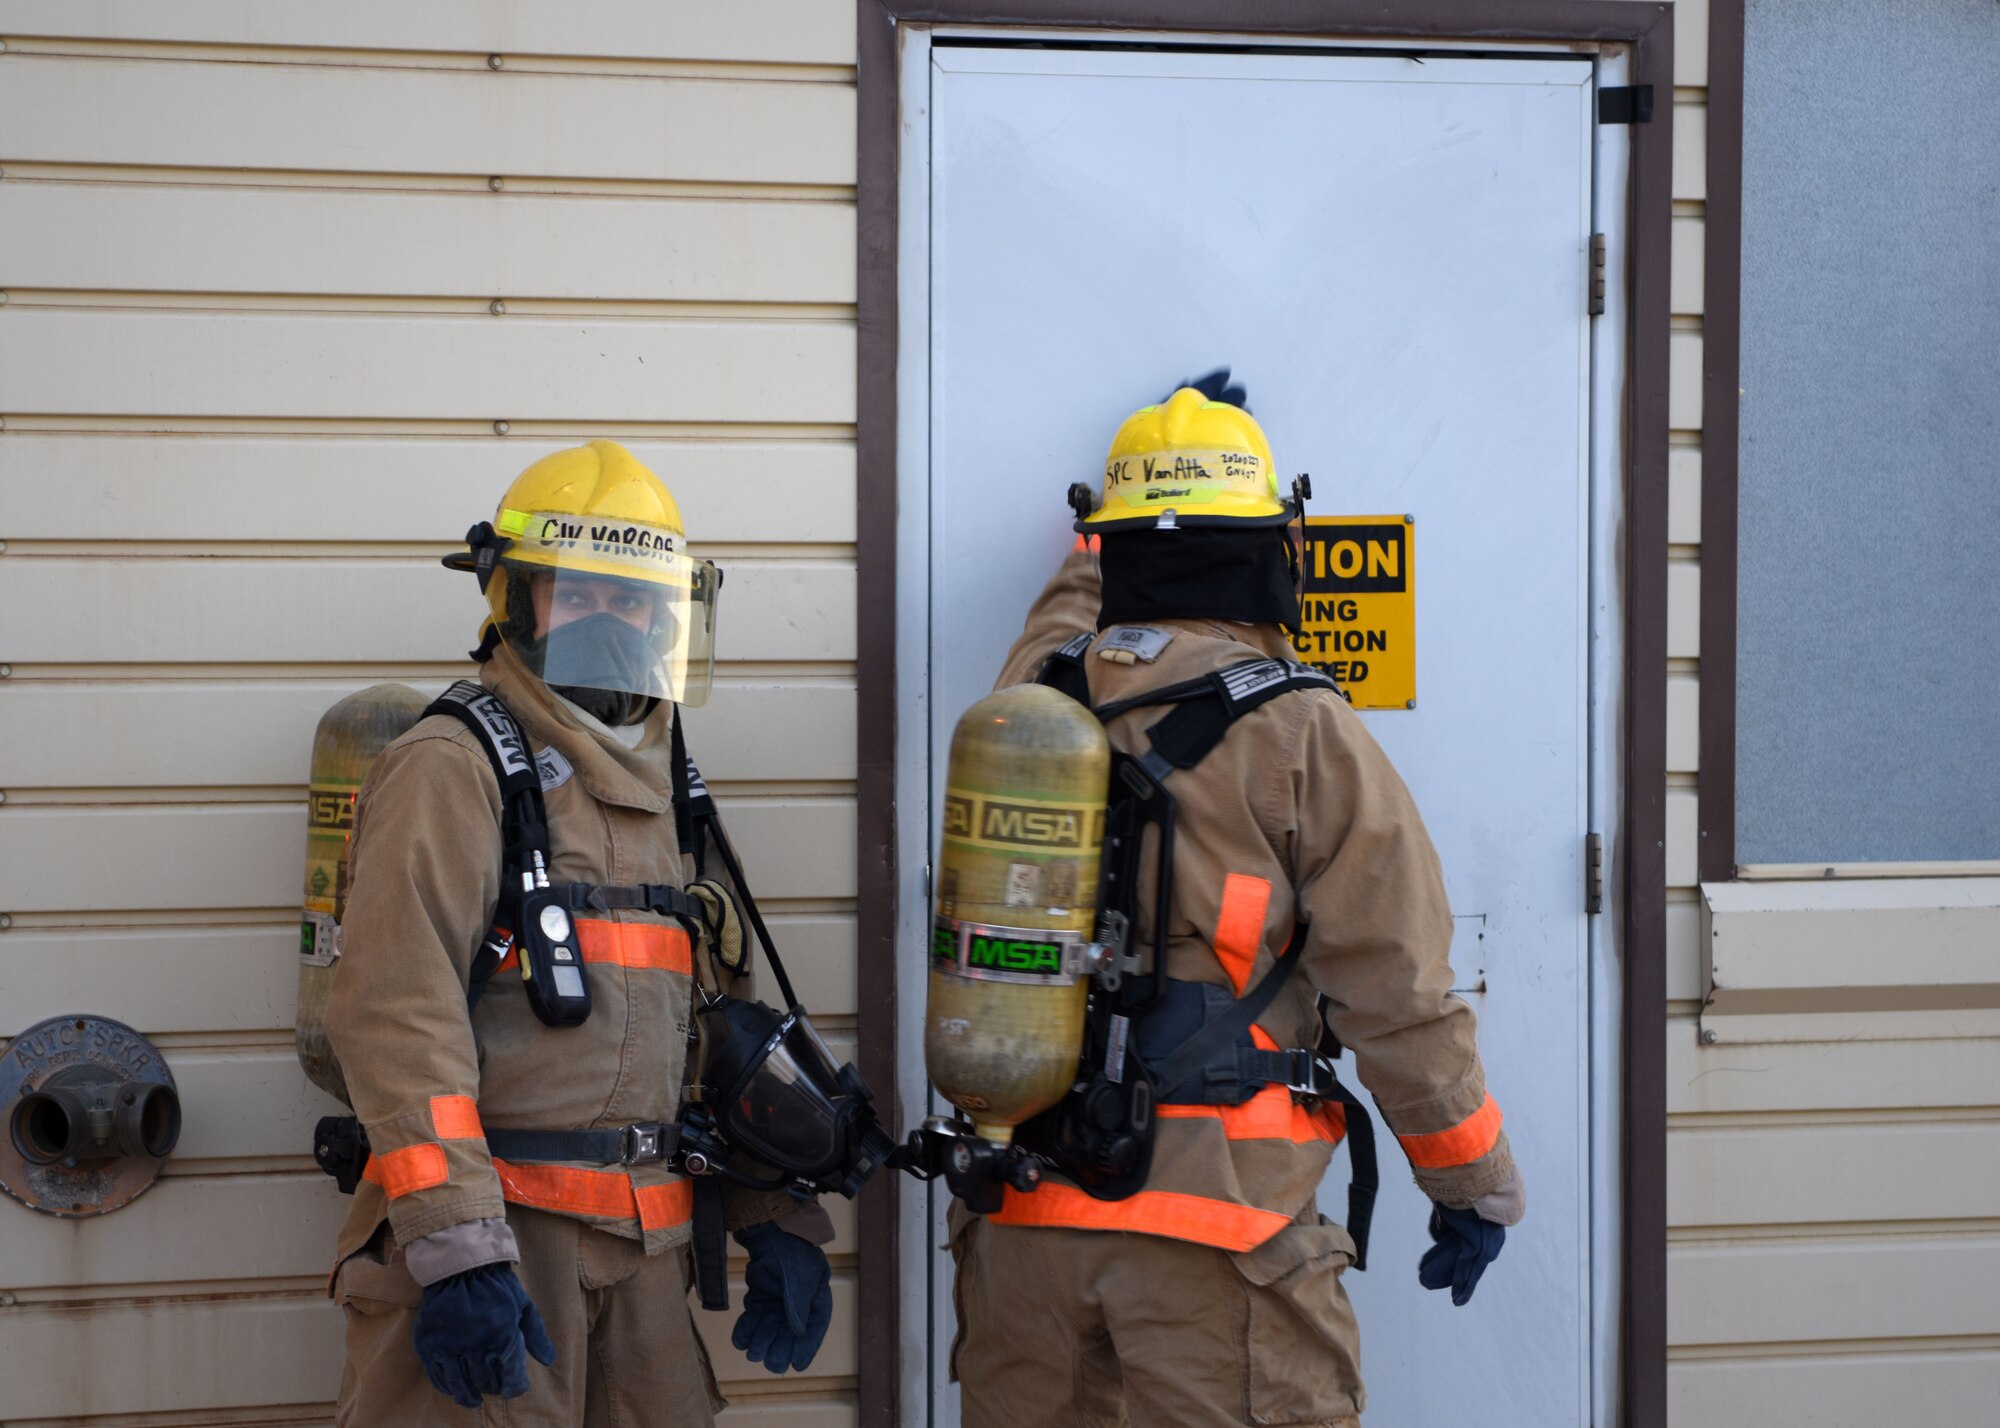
(787, 1299)
(474, 1333)
(1466, 1244)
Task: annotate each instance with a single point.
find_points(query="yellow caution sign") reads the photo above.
(1360, 607)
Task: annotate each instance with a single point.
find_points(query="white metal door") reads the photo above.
(1392, 254)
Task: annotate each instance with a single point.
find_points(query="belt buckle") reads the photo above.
(1304, 1063)
(642, 1142)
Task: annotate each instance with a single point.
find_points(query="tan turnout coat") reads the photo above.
(1296, 815)
(426, 1076)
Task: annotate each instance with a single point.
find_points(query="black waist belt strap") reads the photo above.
(1296, 1070)
(711, 1267)
(606, 1145)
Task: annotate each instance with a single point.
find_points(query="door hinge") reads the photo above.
(1593, 872)
(1597, 275)
(1625, 104)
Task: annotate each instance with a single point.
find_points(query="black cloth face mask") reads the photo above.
(600, 663)
(1198, 573)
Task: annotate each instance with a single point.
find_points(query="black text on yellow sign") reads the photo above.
(1360, 607)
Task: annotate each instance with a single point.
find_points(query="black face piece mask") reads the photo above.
(778, 1096)
(1198, 573)
(599, 663)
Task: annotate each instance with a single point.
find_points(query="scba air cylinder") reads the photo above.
(345, 744)
(1016, 905)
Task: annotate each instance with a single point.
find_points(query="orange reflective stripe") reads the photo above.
(1239, 929)
(1271, 1114)
(636, 944)
(1150, 1212)
(607, 1194)
(646, 945)
(456, 1118)
(664, 1205)
(1460, 1145)
(1090, 543)
(406, 1171)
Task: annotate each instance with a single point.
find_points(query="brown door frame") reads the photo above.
(1721, 400)
(1649, 30)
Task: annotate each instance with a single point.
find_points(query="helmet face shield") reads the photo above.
(600, 604)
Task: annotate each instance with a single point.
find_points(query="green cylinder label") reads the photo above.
(996, 949)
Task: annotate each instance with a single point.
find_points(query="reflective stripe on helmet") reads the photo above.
(1456, 1145)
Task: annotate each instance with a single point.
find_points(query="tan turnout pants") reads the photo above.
(1098, 1328)
(626, 1348)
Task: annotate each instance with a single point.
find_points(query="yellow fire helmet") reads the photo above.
(1187, 461)
(586, 571)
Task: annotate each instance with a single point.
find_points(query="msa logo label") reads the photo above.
(986, 952)
(498, 724)
(330, 806)
(1029, 826)
(1052, 827)
(505, 733)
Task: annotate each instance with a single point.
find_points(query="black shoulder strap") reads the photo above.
(1064, 671)
(481, 711)
(524, 820)
(1186, 736)
(695, 814)
(684, 779)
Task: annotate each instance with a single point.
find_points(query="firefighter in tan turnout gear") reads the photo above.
(520, 1198)
(1296, 846)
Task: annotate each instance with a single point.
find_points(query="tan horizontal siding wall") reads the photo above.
(1833, 1230)
(273, 275)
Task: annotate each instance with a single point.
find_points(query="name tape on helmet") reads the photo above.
(1191, 477)
(645, 551)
